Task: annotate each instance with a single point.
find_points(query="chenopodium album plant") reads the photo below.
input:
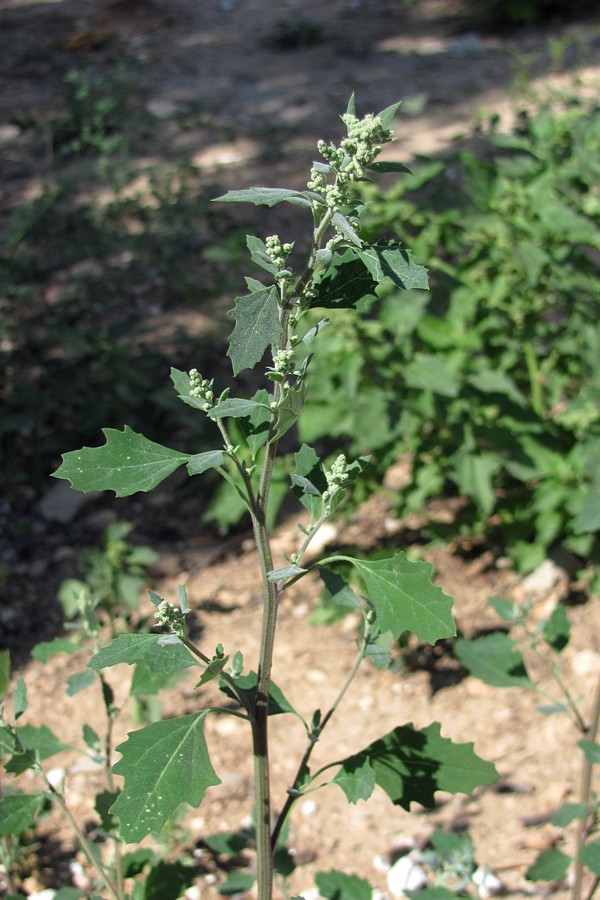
(167, 763)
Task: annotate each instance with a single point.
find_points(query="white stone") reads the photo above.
(545, 577)
(56, 777)
(586, 662)
(48, 894)
(309, 808)
(406, 875)
(488, 885)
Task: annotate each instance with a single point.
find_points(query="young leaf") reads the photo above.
(549, 866)
(182, 384)
(256, 328)
(260, 196)
(410, 765)
(344, 283)
(235, 408)
(339, 591)
(590, 856)
(335, 885)
(79, 682)
(343, 225)
(246, 686)
(20, 697)
(167, 880)
(383, 168)
(506, 609)
(259, 255)
(201, 462)
(104, 801)
(236, 883)
(493, 660)
(18, 812)
(557, 630)
(404, 597)
(45, 650)
(91, 738)
(4, 671)
(145, 649)
(588, 518)
(567, 813)
(591, 750)
(387, 115)
(164, 764)
(128, 462)
(41, 740)
(308, 470)
(389, 261)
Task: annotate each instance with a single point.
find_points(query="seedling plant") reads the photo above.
(167, 763)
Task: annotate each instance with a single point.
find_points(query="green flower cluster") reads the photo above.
(171, 616)
(348, 161)
(278, 252)
(201, 388)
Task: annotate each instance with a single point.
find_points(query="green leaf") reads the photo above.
(557, 630)
(4, 671)
(588, 518)
(288, 410)
(45, 650)
(41, 740)
(128, 462)
(181, 382)
(428, 372)
(356, 779)
(246, 686)
(227, 843)
(236, 883)
(342, 225)
(435, 893)
(506, 609)
(493, 660)
(104, 801)
(404, 598)
(567, 813)
(335, 885)
(344, 283)
(338, 590)
(135, 862)
(591, 750)
(590, 856)
(410, 765)
(549, 866)
(235, 408)
(308, 481)
(389, 261)
(387, 115)
(167, 880)
(91, 739)
(145, 649)
(256, 328)
(261, 196)
(20, 762)
(164, 764)
(20, 697)
(213, 669)
(201, 462)
(79, 682)
(383, 168)
(18, 812)
(259, 255)
(474, 474)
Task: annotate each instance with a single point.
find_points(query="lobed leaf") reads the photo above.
(590, 856)
(41, 740)
(261, 196)
(410, 765)
(549, 866)
(389, 261)
(164, 764)
(145, 649)
(404, 597)
(344, 283)
(256, 327)
(127, 463)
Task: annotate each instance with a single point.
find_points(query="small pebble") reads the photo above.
(406, 875)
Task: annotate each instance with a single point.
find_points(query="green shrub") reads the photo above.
(492, 382)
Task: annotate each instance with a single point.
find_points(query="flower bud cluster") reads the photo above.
(283, 362)
(350, 159)
(201, 388)
(336, 477)
(278, 252)
(166, 614)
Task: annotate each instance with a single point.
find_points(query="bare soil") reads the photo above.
(270, 79)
